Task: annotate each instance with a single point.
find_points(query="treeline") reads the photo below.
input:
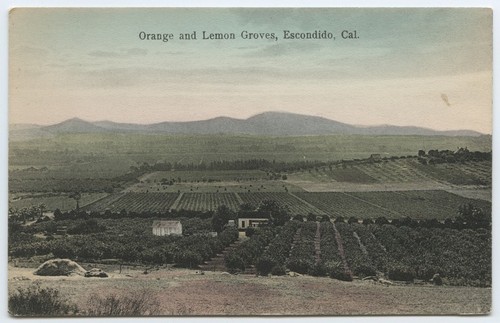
(248, 164)
(468, 216)
(435, 156)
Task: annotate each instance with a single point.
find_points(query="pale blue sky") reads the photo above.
(90, 63)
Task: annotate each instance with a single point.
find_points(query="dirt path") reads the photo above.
(317, 243)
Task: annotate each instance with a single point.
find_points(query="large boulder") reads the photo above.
(59, 267)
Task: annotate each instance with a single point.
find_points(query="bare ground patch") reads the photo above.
(186, 292)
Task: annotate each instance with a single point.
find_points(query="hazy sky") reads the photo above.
(422, 67)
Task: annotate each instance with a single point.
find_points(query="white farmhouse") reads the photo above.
(165, 228)
(244, 223)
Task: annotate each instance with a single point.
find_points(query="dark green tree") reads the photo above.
(221, 217)
(277, 214)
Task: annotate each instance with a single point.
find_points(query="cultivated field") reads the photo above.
(420, 204)
(394, 174)
(52, 201)
(135, 202)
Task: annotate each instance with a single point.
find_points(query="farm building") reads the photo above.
(244, 223)
(165, 228)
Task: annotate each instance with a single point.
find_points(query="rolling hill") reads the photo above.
(268, 123)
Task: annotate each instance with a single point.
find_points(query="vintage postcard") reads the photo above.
(249, 161)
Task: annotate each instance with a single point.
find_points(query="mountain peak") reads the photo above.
(76, 125)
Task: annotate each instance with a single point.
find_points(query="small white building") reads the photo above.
(244, 223)
(166, 228)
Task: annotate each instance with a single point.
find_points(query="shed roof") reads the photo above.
(166, 224)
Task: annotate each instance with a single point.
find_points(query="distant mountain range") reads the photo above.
(267, 123)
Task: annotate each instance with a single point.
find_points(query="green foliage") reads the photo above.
(249, 232)
(311, 217)
(265, 265)
(403, 273)
(325, 218)
(301, 265)
(234, 263)
(221, 217)
(187, 258)
(278, 270)
(86, 227)
(302, 257)
(278, 214)
(335, 269)
(364, 270)
(251, 249)
(39, 301)
(318, 269)
(472, 216)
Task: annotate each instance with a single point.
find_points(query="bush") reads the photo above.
(364, 270)
(265, 265)
(325, 218)
(335, 269)
(278, 270)
(138, 303)
(311, 217)
(318, 269)
(437, 280)
(38, 301)
(302, 266)
(249, 232)
(402, 273)
(352, 220)
(234, 263)
(427, 272)
(368, 221)
(188, 259)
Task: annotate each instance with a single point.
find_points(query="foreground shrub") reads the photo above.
(402, 273)
(437, 280)
(364, 271)
(234, 263)
(39, 301)
(265, 265)
(335, 269)
(187, 259)
(137, 303)
(318, 269)
(278, 270)
(302, 266)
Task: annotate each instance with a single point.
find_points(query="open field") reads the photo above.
(134, 148)
(184, 292)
